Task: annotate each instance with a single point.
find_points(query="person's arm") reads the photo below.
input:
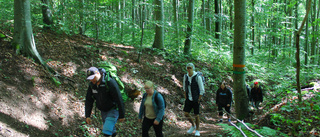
(141, 109)
(183, 86)
(116, 95)
(201, 86)
(89, 102)
(230, 96)
(261, 94)
(217, 97)
(160, 107)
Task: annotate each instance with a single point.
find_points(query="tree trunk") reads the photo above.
(203, 9)
(240, 92)
(188, 43)
(133, 21)
(175, 20)
(298, 62)
(208, 19)
(252, 28)
(159, 36)
(81, 16)
(23, 40)
(231, 21)
(46, 14)
(313, 43)
(143, 19)
(306, 46)
(218, 16)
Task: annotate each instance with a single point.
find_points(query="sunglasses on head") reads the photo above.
(189, 67)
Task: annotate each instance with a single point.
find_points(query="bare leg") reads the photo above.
(197, 122)
(189, 118)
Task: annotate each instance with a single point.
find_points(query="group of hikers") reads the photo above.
(109, 101)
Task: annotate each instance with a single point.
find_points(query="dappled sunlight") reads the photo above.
(136, 106)
(162, 90)
(9, 131)
(24, 112)
(176, 81)
(120, 46)
(68, 69)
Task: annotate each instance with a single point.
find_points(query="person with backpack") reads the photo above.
(256, 95)
(193, 88)
(223, 100)
(151, 110)
(108, 100)
(248, 93)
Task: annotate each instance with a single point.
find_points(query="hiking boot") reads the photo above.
(197, 133)
(191, 130)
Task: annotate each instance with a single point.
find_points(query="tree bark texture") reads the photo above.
(240, 94)
(159, 36)
(46, 14)
(188, 42)
(218, 16)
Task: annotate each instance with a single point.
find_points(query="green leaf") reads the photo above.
(56, 82)
(2, 35)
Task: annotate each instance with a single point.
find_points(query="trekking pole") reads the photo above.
(241, 121)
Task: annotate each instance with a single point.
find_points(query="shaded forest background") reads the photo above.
(79, 33)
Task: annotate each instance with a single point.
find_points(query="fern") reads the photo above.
(264, 131)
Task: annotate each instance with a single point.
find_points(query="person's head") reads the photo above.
(190, 68)
(148, 86)
(222, 84)
(256, 84)
(93, 75)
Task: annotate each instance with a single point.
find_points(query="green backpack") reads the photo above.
(111, 70)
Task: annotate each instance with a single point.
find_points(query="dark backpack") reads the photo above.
(156, 96)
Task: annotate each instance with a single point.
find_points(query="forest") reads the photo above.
(48, 45)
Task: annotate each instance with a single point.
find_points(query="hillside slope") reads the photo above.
(32, 105)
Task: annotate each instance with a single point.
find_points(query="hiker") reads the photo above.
(248, 93)
(108, 100)
(151, 110)
(193, 91)
(223, 100)
(256, 95)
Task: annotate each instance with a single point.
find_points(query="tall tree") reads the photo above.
(188, 42)
(218, 18)
(175, 4)
(23, 39)
(313, 42)
(306, 44)
(240, 93)
(159, 36)
(133, 20)
(252, 27)
(81, 17)
(208, 19)
(298, 63)
(46, 14)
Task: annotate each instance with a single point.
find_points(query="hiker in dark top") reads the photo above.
(193, 90)
(223, 100)
(151, 110)
(256, 95)
(108, 100)
(248, 93)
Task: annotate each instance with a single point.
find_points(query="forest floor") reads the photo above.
(32, 105)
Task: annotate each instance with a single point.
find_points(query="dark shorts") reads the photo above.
(225, 107)
(189, 105)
